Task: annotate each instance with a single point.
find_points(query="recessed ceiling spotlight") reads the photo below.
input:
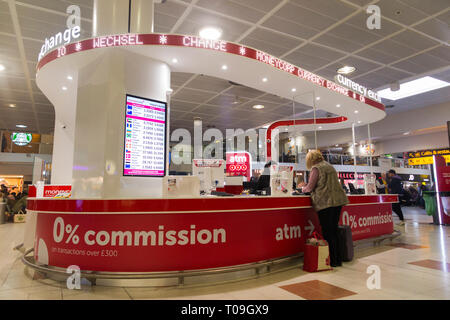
(12, 105)
(338, 105)
(356, 111)
(406, 133)
(212, 33)
(264, 79)
(21, 126)
(318, 98)
(359, 121)
(336, 145)
(293, 90)
(346, 70)
(174, 60)
(2, 67)
(64, 88)
(258, 106)
(69, 78)
(224, 67)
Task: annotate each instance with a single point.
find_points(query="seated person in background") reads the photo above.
(344, 186)
(264, 179)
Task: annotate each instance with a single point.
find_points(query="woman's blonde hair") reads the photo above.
(313, 157)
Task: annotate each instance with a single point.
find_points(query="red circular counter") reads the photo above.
(165, 235)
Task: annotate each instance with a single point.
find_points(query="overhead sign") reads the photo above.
(239, 164)
(61, 38)
(425, 160)
(416, 158)
(346, 82)
(145, 137)
(21, 138)
(427, 153)
(216, 45)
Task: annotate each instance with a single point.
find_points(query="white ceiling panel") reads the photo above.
(411, 67)
(429, 7)
(182, 105)
(304, 16)
(193, 95)
(394, 48)
(235, 9)
(376, 55)
(348, 45)
(386, 27)
(227, 100)
(207, 83)
(244, 92)
(413, 39)
(198, 19)
(289, 27)
(435, 28)
(398, 11)
(333, 9)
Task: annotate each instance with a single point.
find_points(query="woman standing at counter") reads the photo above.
(328, 197)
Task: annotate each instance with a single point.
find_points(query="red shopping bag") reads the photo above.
(317, 255)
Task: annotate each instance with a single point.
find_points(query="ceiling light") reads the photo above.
(359, 121)
(224, 67)
(20, 126)
(69, 78)
(2, 67)
(174, 60)
(406, 133)
(356, 111)
(264, 79)
(64, 88)
(12, 105)
(337, 145)
(320, 127)
(258, 106)
(346, 70)
(318, 98)
(413, 87)
(293, 90)
(210, 33)
(338, 105)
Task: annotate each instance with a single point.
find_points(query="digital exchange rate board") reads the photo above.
(145, 137)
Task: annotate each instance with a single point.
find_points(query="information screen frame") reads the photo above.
(125, 137)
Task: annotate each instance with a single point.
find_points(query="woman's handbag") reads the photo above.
(317, 255)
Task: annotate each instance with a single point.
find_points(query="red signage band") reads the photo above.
(188, 241)
(189, 205)
(195, 42)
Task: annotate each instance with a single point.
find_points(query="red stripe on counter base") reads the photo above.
(197, 204)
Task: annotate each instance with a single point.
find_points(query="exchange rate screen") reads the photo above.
(145, 137)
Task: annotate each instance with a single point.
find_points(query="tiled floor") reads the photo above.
(414, 268)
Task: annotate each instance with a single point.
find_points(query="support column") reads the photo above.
(100, 118)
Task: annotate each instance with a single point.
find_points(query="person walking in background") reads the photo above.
(328, 197)
(395, 187)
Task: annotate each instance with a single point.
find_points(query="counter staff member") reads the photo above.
(328, 197)
(264, 179)
(395, 187)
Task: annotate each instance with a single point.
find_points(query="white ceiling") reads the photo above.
(318, 35)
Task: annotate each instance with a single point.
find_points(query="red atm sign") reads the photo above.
(239, 164)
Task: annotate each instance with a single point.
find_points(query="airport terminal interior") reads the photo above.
(224, 150)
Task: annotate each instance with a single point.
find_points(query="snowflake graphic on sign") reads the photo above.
(163, 39)
(242, 50)
(78, 46)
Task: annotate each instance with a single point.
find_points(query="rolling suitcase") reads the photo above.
(345, 243)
